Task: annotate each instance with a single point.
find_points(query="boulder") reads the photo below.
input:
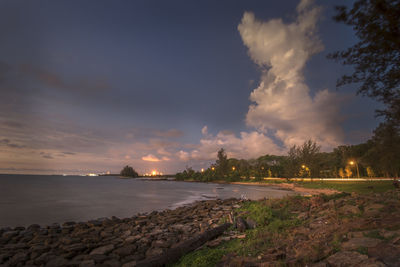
(349, 209)
(388, 254)
(251, 223)
(87, 263)
(241, 224)
(56, 262)
(358, 242)
(102, 250)
(346, 258)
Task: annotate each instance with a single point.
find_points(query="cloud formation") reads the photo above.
(282, 107)
(152, 158)
(246, 145)
(282, 104)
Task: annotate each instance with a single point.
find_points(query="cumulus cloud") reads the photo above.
(246, 145)
(282, 107)
(282, 104)
(183, 155)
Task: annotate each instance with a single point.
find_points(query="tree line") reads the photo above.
(378, 157)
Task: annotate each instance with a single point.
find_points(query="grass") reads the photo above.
(358, 187)
(273, 219)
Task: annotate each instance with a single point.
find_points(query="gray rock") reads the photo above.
(102, 250)
(390, 255)
(125, 250)
(56, 262)
(251, 223)
(87, 263)
(350, 209)
(357, 242)
(19, 258)
(154, 252)
(130, 264)
(4, 257)
(241, 224)
(77, 247)
(99, 258)
(33, 227)
(161, 243)
(346, 258)
(131, 239)
(10, 234)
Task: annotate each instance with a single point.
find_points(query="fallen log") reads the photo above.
(174, 254)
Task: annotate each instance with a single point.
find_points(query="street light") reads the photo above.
(306, 169)
(233, 168)
(352, 162)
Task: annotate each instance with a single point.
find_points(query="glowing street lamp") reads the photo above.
(202, 169)
(233, 168)
(306, 169)
(213, 168)
(352, 162)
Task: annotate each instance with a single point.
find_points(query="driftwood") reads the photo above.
(173, 254)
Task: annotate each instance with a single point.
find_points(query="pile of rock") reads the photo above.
(348, 230)
(110, 241)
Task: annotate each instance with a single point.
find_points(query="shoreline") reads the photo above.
(280, 186)
(140, 239)
(111, 241)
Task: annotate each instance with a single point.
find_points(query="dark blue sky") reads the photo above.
(92, 85)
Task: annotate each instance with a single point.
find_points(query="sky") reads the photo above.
(91, 86)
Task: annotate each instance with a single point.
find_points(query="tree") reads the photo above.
(304, 157)
(376, 57)
(370, 172)
(349, 173)
(341, 173)
(128, 171)
(222, 163)
(384, 156)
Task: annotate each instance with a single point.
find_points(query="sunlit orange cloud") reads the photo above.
(150, 157)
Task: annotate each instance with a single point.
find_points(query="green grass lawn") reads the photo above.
(358, 187)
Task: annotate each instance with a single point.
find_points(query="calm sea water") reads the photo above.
(44, 199)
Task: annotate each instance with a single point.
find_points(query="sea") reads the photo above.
(47, 199)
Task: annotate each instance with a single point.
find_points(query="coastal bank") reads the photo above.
(322, 230)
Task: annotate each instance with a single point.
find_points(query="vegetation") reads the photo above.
(378, 157)
(376, 62)
(305, 231)
(376, 57)
(273, 218)
(128, 171)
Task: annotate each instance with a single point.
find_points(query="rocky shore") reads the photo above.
(323, 230)
(110, 241)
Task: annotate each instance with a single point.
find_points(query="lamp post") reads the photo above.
(352, 162)
(306, 169)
